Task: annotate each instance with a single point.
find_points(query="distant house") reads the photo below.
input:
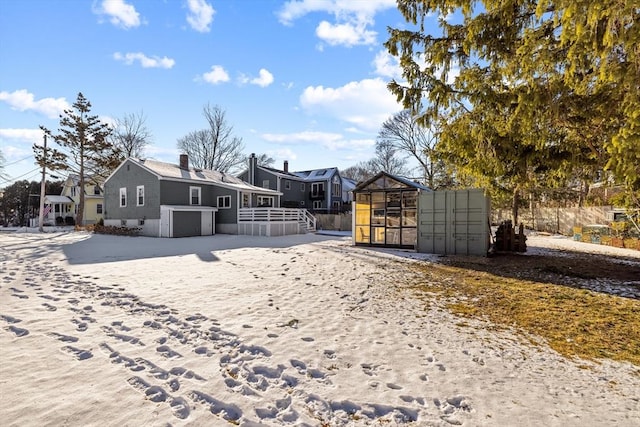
(318, 190)
(63, 208)
(169, 200)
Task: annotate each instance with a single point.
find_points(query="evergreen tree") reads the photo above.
(518, 112)
(84, 148)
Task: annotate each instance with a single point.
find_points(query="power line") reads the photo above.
(18, 161)
(20, 176)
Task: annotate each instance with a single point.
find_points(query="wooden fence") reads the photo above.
(558, 220)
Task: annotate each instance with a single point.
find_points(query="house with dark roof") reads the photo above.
(169, 200)
(317, 190)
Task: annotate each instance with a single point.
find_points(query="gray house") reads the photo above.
(168, 200)
(318, 190)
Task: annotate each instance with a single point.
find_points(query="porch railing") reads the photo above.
(301, 216)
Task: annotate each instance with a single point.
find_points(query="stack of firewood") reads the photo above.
(507, 240)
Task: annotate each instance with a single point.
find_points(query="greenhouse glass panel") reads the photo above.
(377, 217)
(377, 235)
(409, 199)
(393, 218)
(362, 234)
(393, 199)
(409, 236)
(409, 218)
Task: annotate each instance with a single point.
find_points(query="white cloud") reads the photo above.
(216, 75)
(30, 136)
(330, 141)
(295, 9)
(351, 18)
(144, 60)
(347, 34)
(120, 13)
(365, 104)
(264, 80)
(22, 100)
(386, 65)
(200, 15)
(282, 154)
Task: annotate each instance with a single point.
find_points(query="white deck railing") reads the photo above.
(301, 216)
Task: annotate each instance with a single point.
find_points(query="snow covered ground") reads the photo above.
(297, 330)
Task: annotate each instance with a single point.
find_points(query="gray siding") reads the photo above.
(224, 215)
(294, 195)
(261, 176)
(129, 176)
(177, 193)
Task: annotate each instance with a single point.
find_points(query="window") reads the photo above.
(73, 191)
(336, 189)
(96, 190)
(224, 202)
(99, 208)
(140, 195)
(194, 195)
(245, 200)
(123, 197)
(317, 204)
(287, 185)
(317, 189)
(302, 186)
(336, 205)
(265, 201)
(265, 183)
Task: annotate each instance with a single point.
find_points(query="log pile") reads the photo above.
(507, 240)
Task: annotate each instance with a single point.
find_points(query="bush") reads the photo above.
(69, 221)
(116, 231)
(59, 220)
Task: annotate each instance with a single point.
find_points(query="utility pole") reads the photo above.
(42, 188)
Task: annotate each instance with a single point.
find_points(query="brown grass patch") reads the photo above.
(574, 322)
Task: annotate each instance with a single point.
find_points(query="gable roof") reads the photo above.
(384, 180)
(173, 172)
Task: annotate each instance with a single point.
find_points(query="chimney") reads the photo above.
(286, 166)
(184, 162)
(253, 163)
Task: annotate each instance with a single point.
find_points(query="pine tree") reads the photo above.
(83, 148)
(522, 110)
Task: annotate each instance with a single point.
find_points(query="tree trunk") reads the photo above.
(514, 205)
(80, 214)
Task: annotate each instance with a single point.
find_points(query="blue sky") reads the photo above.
(300, 80)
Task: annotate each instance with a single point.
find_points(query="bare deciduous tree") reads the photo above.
(215, 148)
(404, 134)
(131, 135)
(265, 160)
(388, 160)
(3, 176)
(360, 172)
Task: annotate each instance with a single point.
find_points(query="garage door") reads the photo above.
(187, 223)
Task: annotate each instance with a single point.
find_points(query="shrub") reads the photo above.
(116, 231)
